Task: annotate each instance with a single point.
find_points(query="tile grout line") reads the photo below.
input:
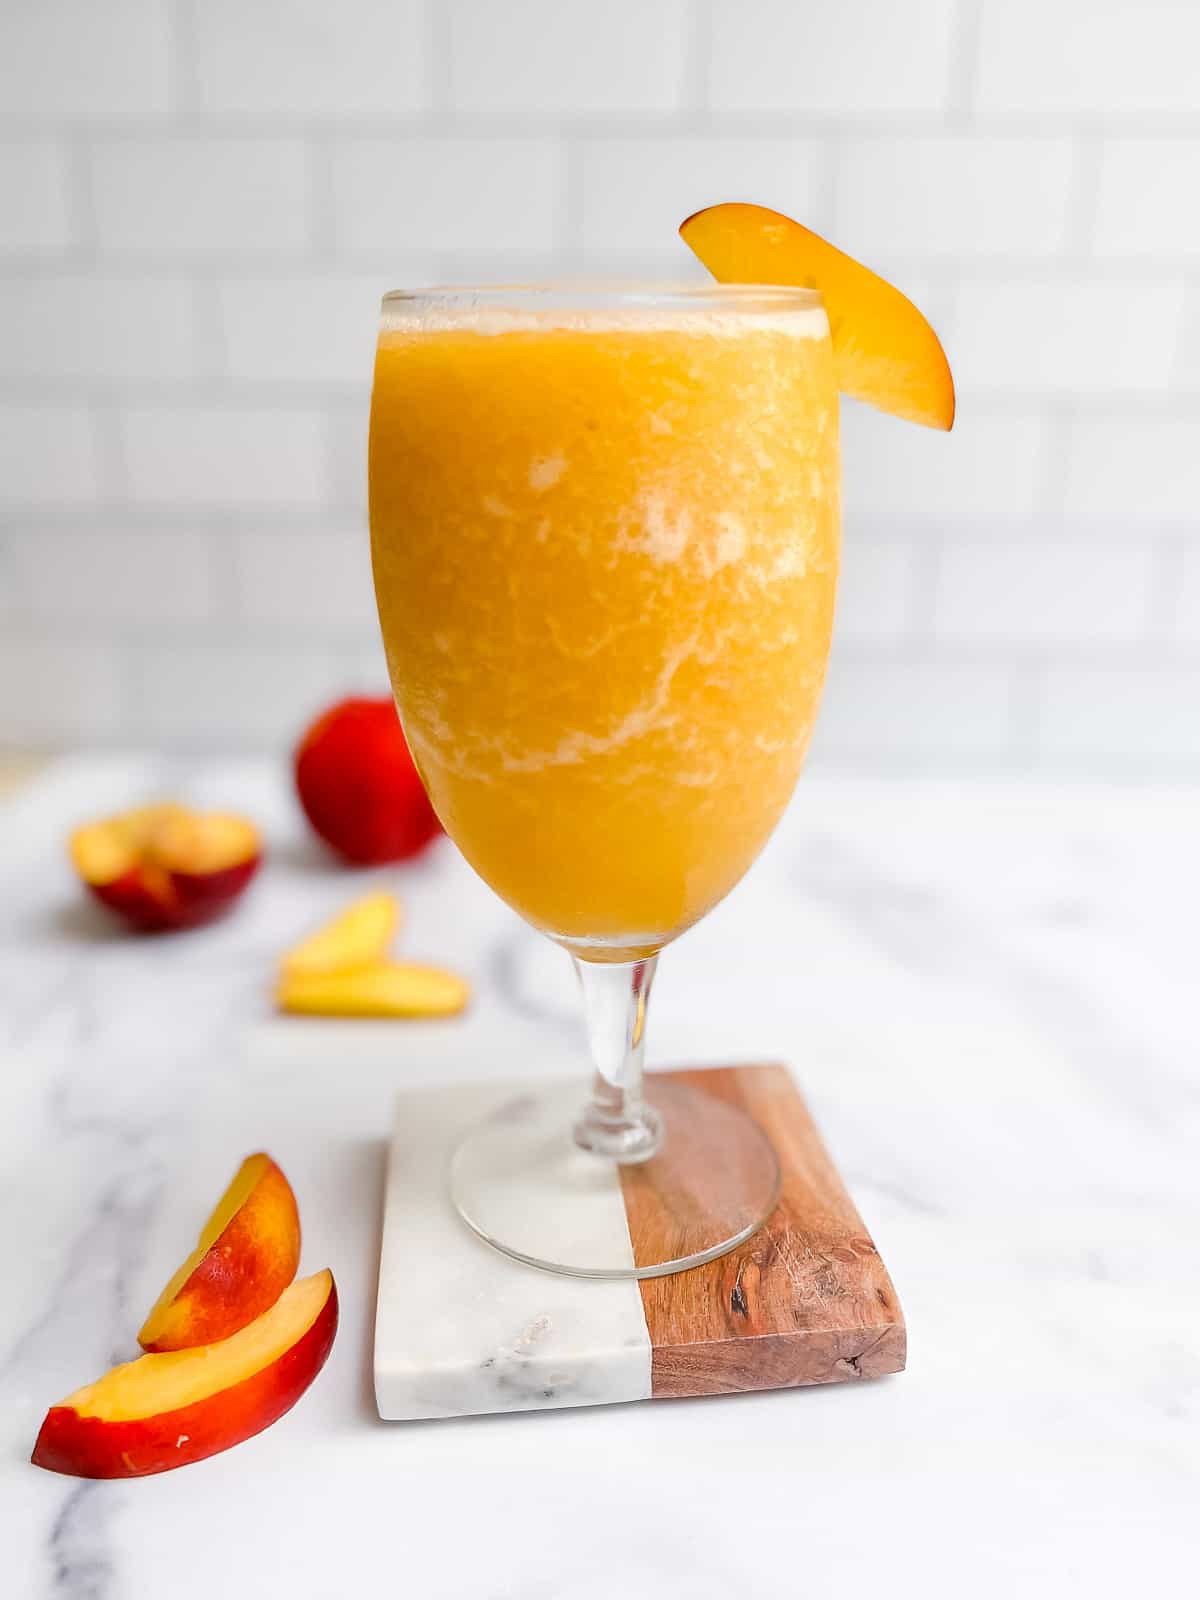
(1038, 271)
(926, 567)
(221, 543)
(963, 71)
(322, 201)
(829, 177)
(438, 66)
(1083, 199)
(1026, 713)
(1161, 621)
(1053, 474)
(81, 189)
(209, 345)
(696, 97)
(183, 95)
(1181, 382)
(113, 459)
(439, 114)
(568, 218)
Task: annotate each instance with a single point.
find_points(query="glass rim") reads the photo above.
(601, 294)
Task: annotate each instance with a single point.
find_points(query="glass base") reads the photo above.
(524, 1185)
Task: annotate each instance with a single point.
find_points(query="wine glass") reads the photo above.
(605, 538)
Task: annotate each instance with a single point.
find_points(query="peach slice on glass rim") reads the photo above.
(884, 350)
(163, 1411)
(164, 866)
(382, 989)
(246, 1256)
(355, 937)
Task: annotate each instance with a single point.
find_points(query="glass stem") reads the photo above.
(618, 1123)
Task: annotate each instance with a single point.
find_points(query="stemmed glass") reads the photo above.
(605, 533)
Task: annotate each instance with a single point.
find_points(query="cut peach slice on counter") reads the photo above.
(163, 1411)
(356, 937)
(383, 989)
(884, 350)
(164, 866)
(246, 1256)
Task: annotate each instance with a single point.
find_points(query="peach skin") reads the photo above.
(164, 1411)
(164, 866)
(246, 1256)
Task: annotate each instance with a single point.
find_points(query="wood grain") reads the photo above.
(806, 1300)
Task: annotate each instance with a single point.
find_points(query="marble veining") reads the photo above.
(462, 1330)
(987, 991)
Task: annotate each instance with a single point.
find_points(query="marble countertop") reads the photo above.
(988, 993)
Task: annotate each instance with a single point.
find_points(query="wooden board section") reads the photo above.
(806, 1300)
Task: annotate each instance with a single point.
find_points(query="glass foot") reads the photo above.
(524, 1184)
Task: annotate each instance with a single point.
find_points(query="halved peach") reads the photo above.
(885, 352)
(163, 1411)
(383, 989)
(246, 1256)
(355, 937)
(165, 866)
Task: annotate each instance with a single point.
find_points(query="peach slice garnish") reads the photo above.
(356, 937)
(165, 866)
(163, 1411)
(382, 989)
(246, 1256)
(884, 350)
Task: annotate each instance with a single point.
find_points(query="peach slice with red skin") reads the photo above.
(884, 350)
(356, 937)
(165, 866)
(246, 1256)
(164, 1411)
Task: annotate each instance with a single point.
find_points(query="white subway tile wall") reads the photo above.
(49, 456)
(874, 58)
(114, 575)
(67, 62)
(567, 58)
(201, 197)
(1186, 597)
(239, 457)
(622, 190)
(305, 580)
(303, 63)
(1106, 59)
(480, 193)
(61, 329)
(202, 201)
(1059, 336)
(954, 197)
(35, 199)
(1142, 209)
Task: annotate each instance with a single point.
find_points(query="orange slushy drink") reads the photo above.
(605, 544)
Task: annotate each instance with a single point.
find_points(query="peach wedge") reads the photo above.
(355, 937)
(884, 350)
(383, 989)
(246, 1256)
(164, 1411)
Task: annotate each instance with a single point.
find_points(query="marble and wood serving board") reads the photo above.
(462, 1329)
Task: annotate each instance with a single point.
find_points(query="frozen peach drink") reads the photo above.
(605, 544)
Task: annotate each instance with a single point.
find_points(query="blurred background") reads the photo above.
(202, 200)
